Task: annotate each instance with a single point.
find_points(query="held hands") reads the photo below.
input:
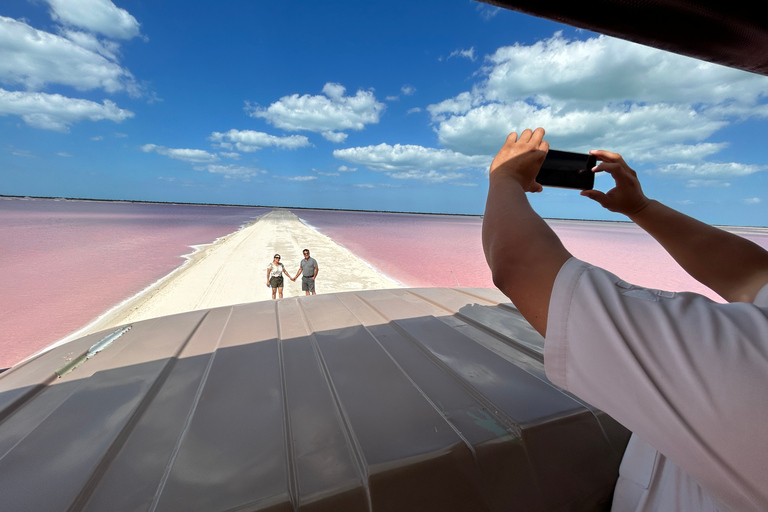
(627, 196)
(521, 158)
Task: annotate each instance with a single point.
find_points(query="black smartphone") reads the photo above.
(567, 170)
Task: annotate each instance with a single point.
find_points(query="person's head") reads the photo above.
(277, 258)
(306, 254)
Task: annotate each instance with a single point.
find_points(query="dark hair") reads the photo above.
(305, 250)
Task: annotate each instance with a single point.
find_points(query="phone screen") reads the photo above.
(567, 170)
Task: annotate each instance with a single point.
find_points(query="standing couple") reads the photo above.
(307, 267)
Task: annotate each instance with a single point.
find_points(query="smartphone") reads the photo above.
(567, 170)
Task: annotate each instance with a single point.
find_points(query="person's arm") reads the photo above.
(297, 274)
(316, 271)
(522, 251)
(268, 272)
(732, 266)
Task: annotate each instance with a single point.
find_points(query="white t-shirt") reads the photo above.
(276, 270)
(688, 376)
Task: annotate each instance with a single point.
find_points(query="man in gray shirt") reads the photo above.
(308, 269)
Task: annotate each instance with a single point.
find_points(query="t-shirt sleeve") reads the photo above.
(684, 373)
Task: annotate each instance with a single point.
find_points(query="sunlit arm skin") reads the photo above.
(522, 251)
(733, 267)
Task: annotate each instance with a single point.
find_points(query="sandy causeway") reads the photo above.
(233, 270)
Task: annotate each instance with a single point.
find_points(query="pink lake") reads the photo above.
(64, 263)
(446, 250)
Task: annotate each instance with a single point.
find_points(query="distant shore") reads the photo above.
(723, 226)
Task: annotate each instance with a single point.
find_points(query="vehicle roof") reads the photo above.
(429, 399)
(732, 33)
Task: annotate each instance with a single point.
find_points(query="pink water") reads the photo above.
(416, 250)
(64, 263)
(445, 250)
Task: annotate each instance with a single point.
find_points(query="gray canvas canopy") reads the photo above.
(733, 33)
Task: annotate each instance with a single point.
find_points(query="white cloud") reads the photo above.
(649, 105)
(430, 176)
(21, 152)
(631, 128)
(487, 11)
(104, 47)
(98, 16)
(376, 185)
(461, 104)
(33, 58)
(331, 112)
(249, 141)
(413, 162)
(467, 54)
(688, 153)
(232, 171)
(752, 200)
(408, 90)
(707, 183)
(344, 168)
(233, 156)
(56, 112)
(710, 170)
(298, 178)
(197, 156)
(603, 69)
(335, 136)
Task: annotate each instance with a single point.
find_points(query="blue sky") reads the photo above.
(395, 105)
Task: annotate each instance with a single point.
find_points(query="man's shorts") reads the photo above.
(307, 284)
(276, 282)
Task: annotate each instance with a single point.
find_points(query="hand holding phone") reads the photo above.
(564, 169)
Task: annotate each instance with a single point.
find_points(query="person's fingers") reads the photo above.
(537, 136)
(621, 174)
(544, 146)
(596, 196)
(525, 136)
(610, 168)
(606, 156)
(511, 138)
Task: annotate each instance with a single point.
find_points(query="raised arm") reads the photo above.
(523, 252)
(733, 267)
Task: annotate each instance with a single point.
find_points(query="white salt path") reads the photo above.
(233, 270)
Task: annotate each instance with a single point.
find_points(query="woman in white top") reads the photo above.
(275, 276)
